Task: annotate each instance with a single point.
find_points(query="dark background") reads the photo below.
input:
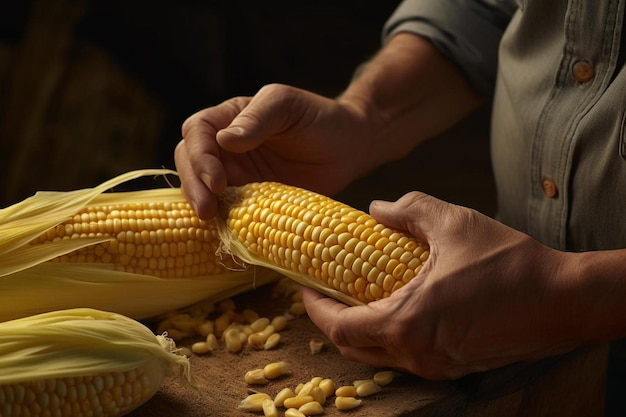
(92, 88)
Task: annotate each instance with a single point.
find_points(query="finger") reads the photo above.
(202, 150)
(195, 190)
(359, 326)
(271, 111)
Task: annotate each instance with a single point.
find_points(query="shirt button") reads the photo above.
(583, 71)
(549, 188)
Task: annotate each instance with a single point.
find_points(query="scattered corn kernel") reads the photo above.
(272, 341)
(316, 345)
(367, 388)
(232, 340)
(306, 389)
(318, 395)
(297, 308)
(359, 382)
(328, 386)
(269, 409)
(260, 324)
(383, 378)
(316, 380)
(255, 377)
(221, 324)
(204, 328)
(201, 348)
(346, 391)
(279, 322)
(211, 341)
(275, 369)
(293, 412)
(249, 315)
(312, 408)
(299, 388)
(347, 403)
(253, 402)
(297, 401)
(282, 395)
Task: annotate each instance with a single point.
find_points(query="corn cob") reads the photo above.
(318, 241)
(81, 362)
(140, 253)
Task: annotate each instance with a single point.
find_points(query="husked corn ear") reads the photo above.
(149, 244)
(318, 241)
(81, 362)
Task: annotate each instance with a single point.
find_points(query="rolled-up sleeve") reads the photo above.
(467, 31)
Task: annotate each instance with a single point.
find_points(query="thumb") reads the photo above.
(271, 111)
(415, 213)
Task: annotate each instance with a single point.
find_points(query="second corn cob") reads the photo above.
(81, 362)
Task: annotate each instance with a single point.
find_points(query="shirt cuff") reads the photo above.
(468, 32)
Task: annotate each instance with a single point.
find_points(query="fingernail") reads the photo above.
(233, 130)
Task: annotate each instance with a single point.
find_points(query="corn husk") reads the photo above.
(30, 284)
(81, 342)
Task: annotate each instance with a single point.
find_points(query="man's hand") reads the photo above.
(488, 296)
(281, 134)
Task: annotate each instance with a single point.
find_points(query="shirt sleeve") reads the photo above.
(467, 31)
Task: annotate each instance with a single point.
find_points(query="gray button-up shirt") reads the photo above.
(555, 70)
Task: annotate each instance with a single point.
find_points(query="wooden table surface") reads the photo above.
(569, 385)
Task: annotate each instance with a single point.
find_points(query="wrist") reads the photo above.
(597, 280)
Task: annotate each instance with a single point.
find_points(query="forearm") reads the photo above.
(408, 93)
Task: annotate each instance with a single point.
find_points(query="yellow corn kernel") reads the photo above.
(383, 378)
(318, 395)
(306, 389)
(297, 401)
(249, 315)
(232, 340)
(279, 323)
(47, 359)
(254, 402)
(293, 412)
(312, 408)
(269, 408)
(297, 308)
(346, 391)
(204, 328)
(318, 241)
(211, 342)
(272, 341)
(260, 324)
(347, 403)
(328, 386)
(367, 388)
(201, 348)
(279, 399)
(275, 370)
(257, 340)
(255, 377)
(316, 380)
